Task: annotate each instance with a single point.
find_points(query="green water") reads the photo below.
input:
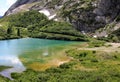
(11, 49)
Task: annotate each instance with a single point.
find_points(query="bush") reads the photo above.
(96, 43)
(94, 60)
(27, 18)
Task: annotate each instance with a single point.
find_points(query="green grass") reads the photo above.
(20, 26)
(84, 65)
(3, 68)
(86, 68)
(96, 43)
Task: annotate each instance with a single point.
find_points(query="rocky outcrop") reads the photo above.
(25, 5)
(108, 10)
(17, 4)
(85, 15)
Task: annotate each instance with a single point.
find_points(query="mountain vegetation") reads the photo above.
(36, 25)
(77, 20)
(93, 17)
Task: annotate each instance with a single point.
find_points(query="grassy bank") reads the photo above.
(3, 68)
(86, 64)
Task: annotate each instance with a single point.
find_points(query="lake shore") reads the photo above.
(4, 67)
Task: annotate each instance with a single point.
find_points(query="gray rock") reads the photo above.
(101, 13)
(19, 3)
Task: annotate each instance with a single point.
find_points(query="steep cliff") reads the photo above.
(108, 9)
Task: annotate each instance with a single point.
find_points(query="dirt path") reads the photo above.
(109, 47)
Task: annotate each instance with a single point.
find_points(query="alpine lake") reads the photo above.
(17, 55)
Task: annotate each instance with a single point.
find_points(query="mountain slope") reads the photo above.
(78, 12)
(97, 18)
(85, 15)
(18, 3)
(36, 25)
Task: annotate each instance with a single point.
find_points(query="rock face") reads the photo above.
(108, 9)
(18, 4)
(85, 15)
(25, 5)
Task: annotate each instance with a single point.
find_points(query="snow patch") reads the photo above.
(106, 35)
(83, 32)
(56, 19)
(95, 36)
(52, 16)
(45, 12)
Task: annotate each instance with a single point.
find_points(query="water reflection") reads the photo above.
(11, 49)
(12, 61)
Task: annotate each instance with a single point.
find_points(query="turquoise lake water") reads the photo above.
(11, 49)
